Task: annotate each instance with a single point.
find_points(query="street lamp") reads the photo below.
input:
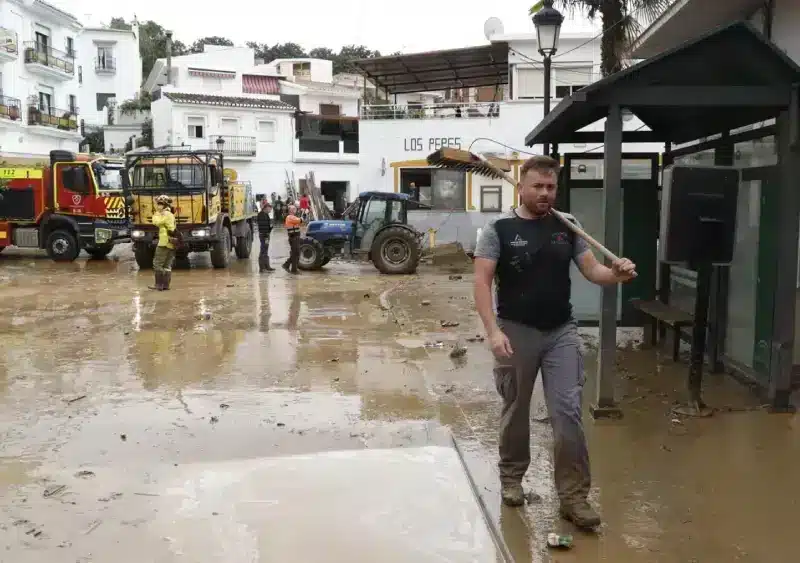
(548, 22)
(220, 144)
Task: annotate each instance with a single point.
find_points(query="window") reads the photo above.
(330, 109)
(72, 104)
(42, 42)
(229, 126)
(564, 91)
(70, 46)
(103, 100)
(266, 131)
(530, 83)
(196, 129)
(76, 179)
(45, 102)
(105, 58)
(80, 74)
(491, 199)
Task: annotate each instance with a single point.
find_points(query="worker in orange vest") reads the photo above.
(292, 224)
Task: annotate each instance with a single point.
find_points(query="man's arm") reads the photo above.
(621, 271)
(484, 278)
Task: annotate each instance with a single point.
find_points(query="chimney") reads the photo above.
(169, 57)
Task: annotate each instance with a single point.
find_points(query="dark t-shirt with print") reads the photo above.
(533, 261)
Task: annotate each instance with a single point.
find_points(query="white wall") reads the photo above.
(785, 27)
(17, 138)
(266, 171)
(348, 102)
(125, 81)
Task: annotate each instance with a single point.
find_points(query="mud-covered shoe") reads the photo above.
(513, 494)
(581, 514)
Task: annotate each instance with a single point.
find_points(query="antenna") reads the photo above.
(492, 27)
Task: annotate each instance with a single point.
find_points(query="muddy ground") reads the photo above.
(101, 378)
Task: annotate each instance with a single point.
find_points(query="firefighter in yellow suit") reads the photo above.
(164, 257)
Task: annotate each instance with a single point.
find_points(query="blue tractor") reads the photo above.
(374, 227)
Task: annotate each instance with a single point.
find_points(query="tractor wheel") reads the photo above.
(396, 250)
(312, 254)
(328, 258)
(221, 251)
(100, 252)
(244, 244)
(62, 246)
(144, 254)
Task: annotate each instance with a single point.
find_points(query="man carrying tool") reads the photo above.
(264, 231)
(529, 251)
(292, 224)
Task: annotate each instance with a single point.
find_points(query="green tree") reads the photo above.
(119, 23)
(152, 42)
(95, 140)
(197, 46)
(348, 54)
(322, 53)
(623, 21)
(277, 51)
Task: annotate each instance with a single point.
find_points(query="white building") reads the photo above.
(279, 121)
(38, 79)
(109, 68)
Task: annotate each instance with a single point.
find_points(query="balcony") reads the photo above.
(10, 110)
(450, 110)
(105, 65)
(9, 45)
(233, 146)
(53, 118)
(46, 61)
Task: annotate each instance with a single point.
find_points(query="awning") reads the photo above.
(438, 70)
(211, 73)
(257, 84)
(727, 79)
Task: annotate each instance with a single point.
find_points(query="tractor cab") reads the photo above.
(374, 210)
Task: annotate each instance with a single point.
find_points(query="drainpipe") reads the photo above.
(169, 57)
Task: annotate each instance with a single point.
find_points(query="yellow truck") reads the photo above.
(212, 214)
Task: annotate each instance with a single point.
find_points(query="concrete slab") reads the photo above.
(390, 505)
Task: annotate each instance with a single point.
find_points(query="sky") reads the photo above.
(408, 27)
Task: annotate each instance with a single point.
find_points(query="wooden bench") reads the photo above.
(659, 313)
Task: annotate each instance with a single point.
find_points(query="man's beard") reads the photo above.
(537, 210)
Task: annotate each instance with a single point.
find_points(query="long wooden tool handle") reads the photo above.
(570, 225)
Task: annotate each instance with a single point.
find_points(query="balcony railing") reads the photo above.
(8, 41)
(39, 53)
(105, 64)
(451, 110)
(10, 108)
(232, 145)
(66, 120)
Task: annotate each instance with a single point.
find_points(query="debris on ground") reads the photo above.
(75, 399)
(456, 277)
(54, 490)
(123, 437)
(84, 474)
(224, 406)
(559, 541)
(436, 344)
(214, 420)
(476, 338)
(425, 303)
(449, 324)
(458, 351)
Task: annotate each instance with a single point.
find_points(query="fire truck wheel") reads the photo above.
(62, 246)
(221, 251)
(144, 254)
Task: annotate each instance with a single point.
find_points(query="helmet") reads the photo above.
(164, 200)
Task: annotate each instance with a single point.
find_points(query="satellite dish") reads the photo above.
(492, 27)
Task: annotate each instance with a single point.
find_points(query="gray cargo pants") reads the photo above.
(558, 354)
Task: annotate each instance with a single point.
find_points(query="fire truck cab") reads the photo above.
(74, 204)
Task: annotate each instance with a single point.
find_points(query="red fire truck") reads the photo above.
(74, 204)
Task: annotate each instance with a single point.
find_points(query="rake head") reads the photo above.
(464, 161)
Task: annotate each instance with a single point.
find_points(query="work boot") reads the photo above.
(166, 279)
(267, 267)
(581, 514)
(158, 285)
(286, 265)
(513, 494)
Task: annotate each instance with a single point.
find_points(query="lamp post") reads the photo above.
(548, 22)
(220, 144)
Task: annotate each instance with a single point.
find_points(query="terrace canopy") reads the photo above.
(438, 70)
(730, 78)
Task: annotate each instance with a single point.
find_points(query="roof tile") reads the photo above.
(229, 101)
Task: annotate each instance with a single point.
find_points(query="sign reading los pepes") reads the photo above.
(431, 144)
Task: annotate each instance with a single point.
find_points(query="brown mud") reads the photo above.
(110, 393)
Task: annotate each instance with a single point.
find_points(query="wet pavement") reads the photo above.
(111, 396)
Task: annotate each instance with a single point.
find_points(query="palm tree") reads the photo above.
(623, 21)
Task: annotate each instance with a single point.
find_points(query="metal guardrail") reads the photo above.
(64, 119)
(233, 145)
(39, 53)
(450, 110)
(9, 41)
(10, 108)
